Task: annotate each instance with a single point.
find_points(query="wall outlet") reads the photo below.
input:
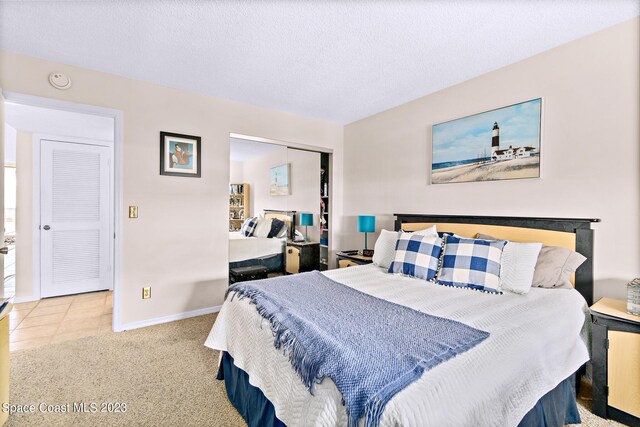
(133, 212)
(146, 292)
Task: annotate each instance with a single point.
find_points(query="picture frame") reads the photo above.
(279, 180)
(180, 155)
(499, 144)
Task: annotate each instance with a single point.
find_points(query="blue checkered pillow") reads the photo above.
(249, 226)
(416, 256)
(471, 263)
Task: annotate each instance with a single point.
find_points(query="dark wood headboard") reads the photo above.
(287, 216)
(582, 242)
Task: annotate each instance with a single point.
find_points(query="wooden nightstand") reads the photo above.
(4, 360)
(616, 361)
(302, 256)
(351, 258)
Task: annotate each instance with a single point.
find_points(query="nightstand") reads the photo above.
(302, 256)
(616, 361)
(351, 258)
(4, 359)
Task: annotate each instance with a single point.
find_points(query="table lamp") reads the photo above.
(306, 219)
(366, 224)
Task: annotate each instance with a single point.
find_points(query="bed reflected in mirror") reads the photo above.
(276, 221)
(256, 242)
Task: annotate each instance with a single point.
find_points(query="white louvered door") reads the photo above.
(75, 204)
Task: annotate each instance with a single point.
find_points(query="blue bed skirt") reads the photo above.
(274, 263)
(252, 404)
(555, 409)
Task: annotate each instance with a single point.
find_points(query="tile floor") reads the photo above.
(53, 320)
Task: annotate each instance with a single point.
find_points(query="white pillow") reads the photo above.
(263, 228)
(384, 249)
(518, 263)
(431, 231)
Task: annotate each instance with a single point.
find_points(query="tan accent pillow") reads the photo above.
(485, 237)
(554, 267)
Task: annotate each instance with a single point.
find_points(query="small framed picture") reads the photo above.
(279, 181)
(179, 155)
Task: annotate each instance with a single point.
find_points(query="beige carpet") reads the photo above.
(163, 373)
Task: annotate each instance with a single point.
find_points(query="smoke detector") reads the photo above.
(59, 80)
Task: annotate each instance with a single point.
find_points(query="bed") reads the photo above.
(523, 374)
(267, 252)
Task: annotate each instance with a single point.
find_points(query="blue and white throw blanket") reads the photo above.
(369, 347)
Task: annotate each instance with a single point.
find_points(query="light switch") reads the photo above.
(133, 212)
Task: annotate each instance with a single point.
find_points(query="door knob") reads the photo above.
(46, 227)
(4, 250)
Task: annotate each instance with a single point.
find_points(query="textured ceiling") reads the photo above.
(334, 60)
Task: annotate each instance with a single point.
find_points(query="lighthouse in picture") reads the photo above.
(495, 139)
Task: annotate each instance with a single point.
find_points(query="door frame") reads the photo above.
(118, 143)
(37, 207)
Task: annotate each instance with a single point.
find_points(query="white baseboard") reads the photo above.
(30, 298)
(170, 318)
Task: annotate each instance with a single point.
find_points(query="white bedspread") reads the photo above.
(535, 343)
(243, 248)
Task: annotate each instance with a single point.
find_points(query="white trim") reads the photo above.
(170, 318)
(288, 144)
(73, 139)
(35, 213)
(18, 300)
(57, 104)
(119, 203)
(118, 116)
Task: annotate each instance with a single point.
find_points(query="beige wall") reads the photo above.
(590, 162)
(590, 154)
(256, 174)
(236, 173)
(175, 244)
(24, 215)
(305, 184)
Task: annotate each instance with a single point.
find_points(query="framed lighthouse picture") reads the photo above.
(498, 144)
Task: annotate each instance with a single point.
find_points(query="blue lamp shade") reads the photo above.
(306, 219)
(366, 224)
